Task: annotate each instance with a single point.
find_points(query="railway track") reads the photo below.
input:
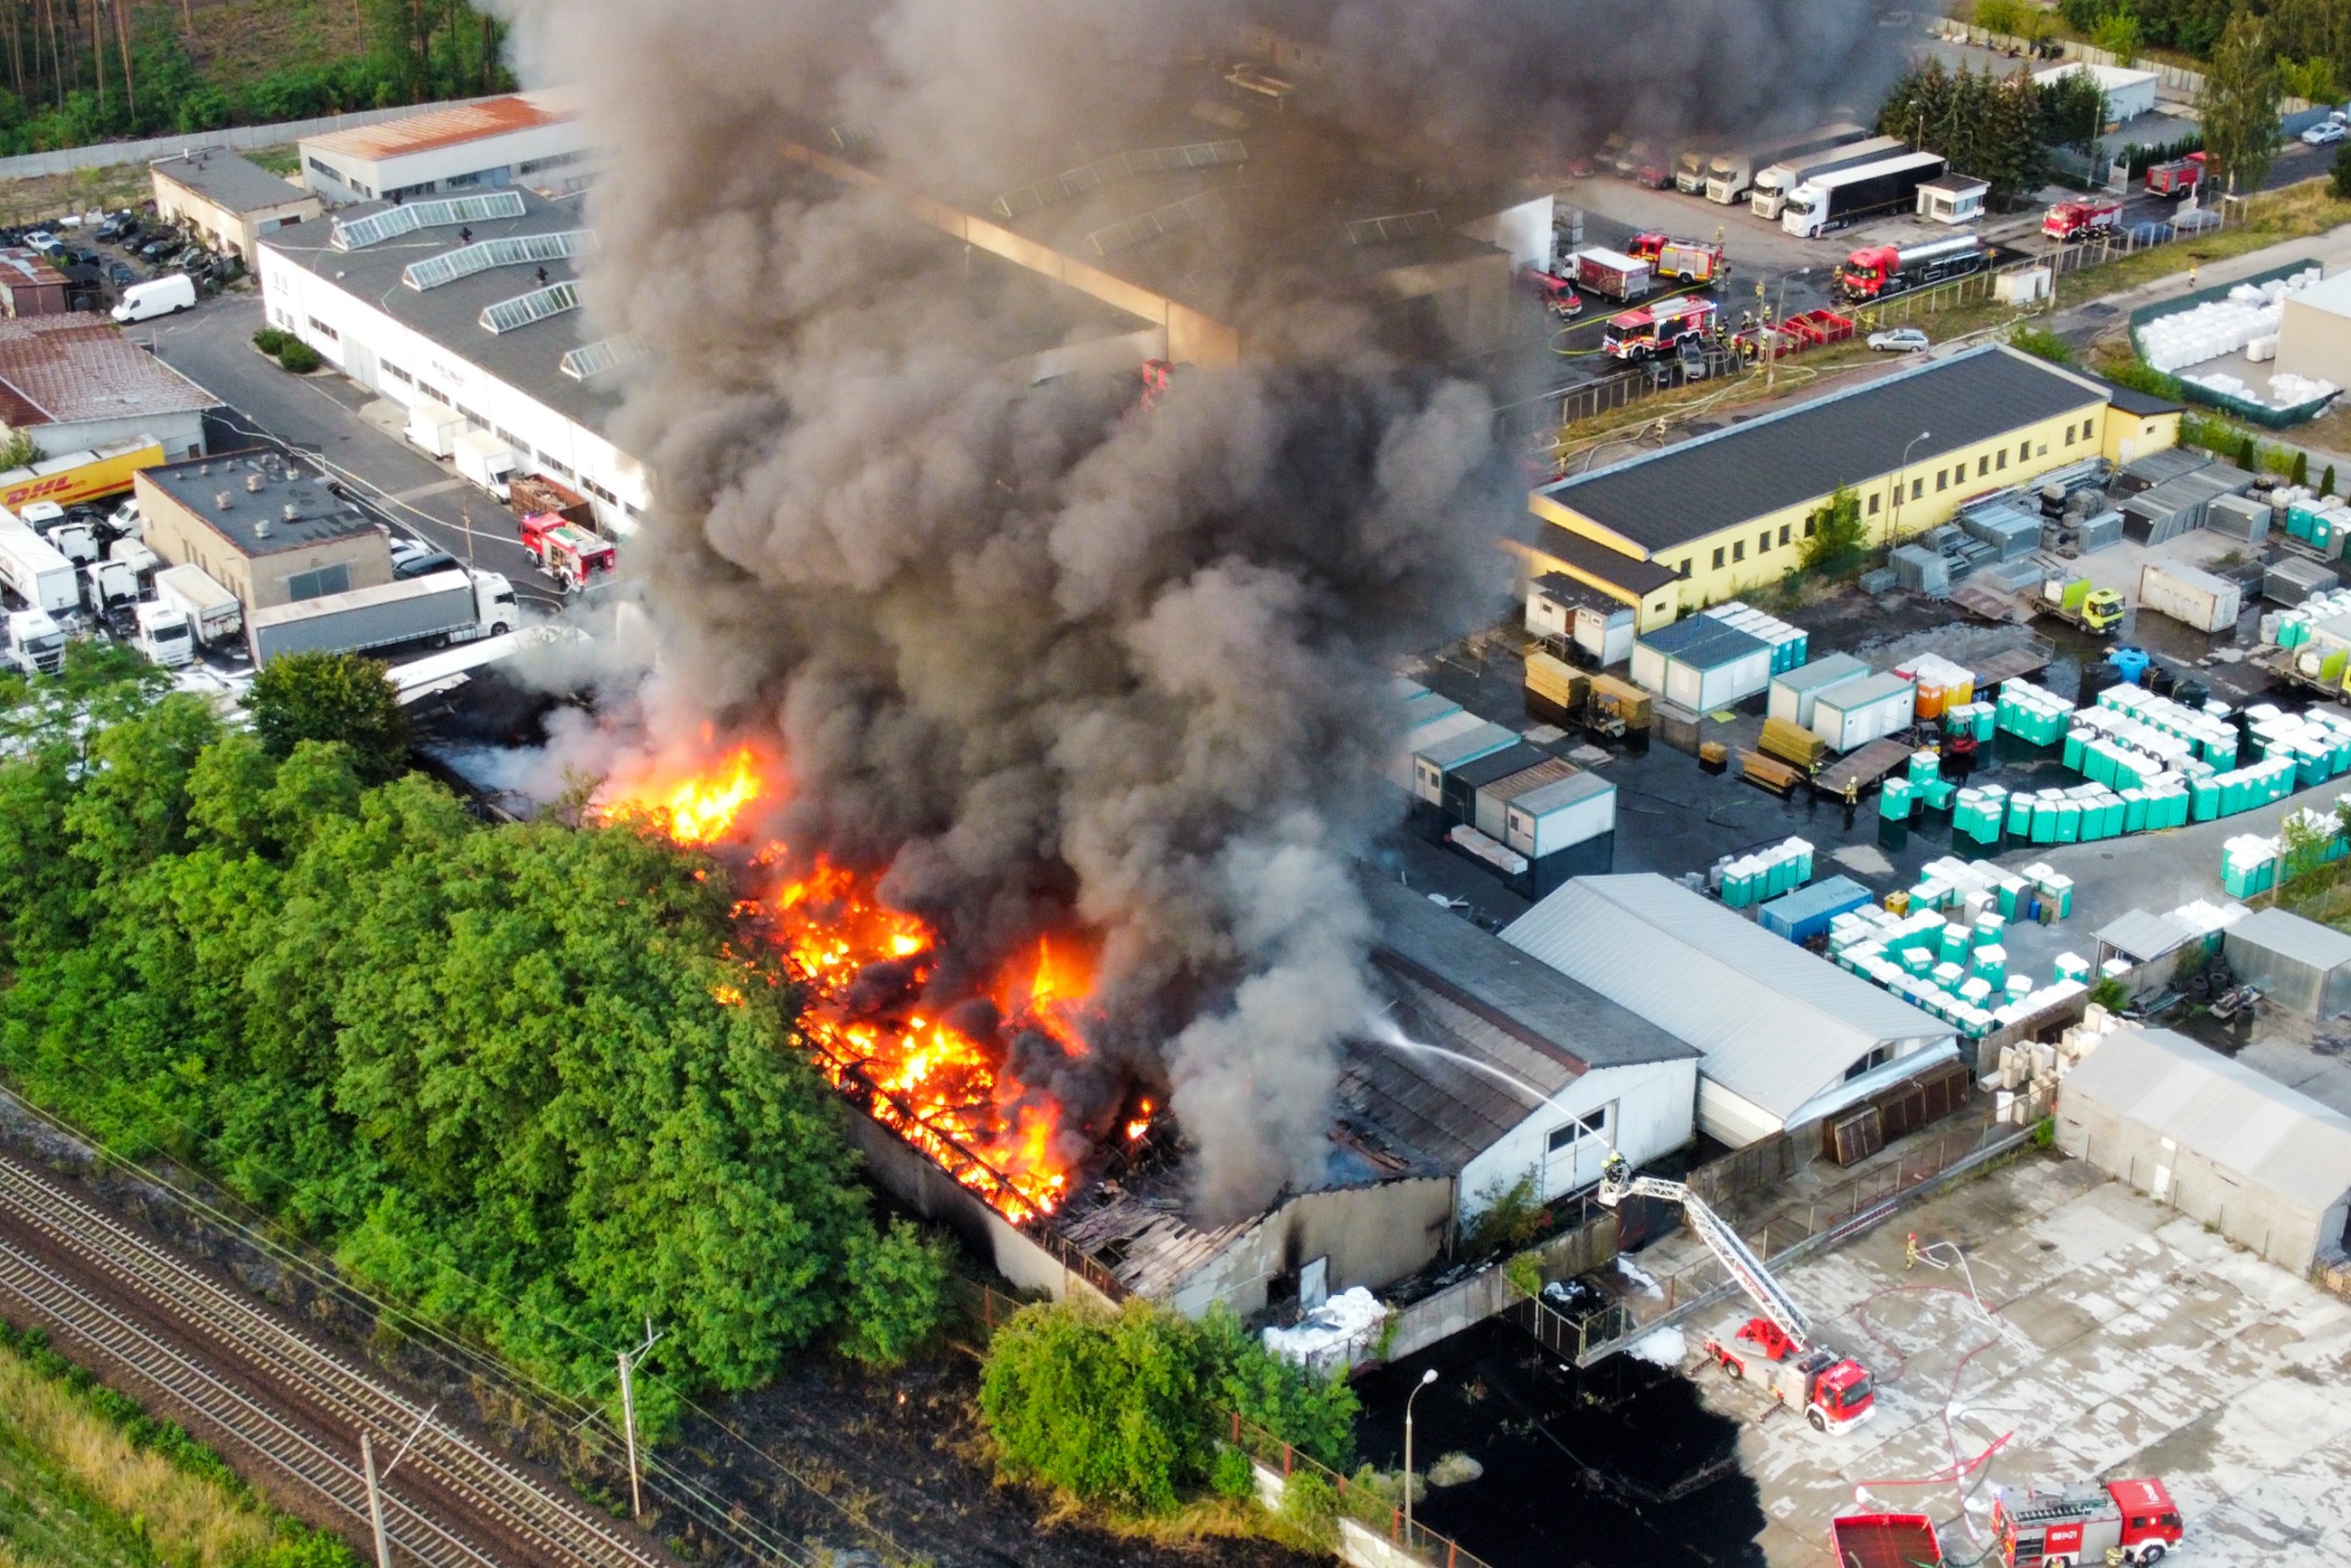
(297, 1407)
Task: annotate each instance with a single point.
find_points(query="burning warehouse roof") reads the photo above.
(1484, 1067)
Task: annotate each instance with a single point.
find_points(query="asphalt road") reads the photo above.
(318, 415)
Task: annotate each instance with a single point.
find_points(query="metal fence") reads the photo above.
(1350, 1498)
(1589, 400)
(2059, 262)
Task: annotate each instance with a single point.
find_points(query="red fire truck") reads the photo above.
(2175, 178)
(568, 552)
(2073, 1527)
(1877, 271)
(1657, 328)
(2085, 219)
(1690, 261)
(1835, 1393)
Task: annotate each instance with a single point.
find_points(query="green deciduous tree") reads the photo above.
(331, 696)
(2239, 105)
(1833, 533)
(1119, 1407)
(2117, 32)
(490, 1067)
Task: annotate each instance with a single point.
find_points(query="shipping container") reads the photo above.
(2195, 599)
(1462, 783)
(1558, 817)
(1702, 664)
(1868, 710)
(1494, 799)
(1806, 914)
(1793, 693)
(1432, 762)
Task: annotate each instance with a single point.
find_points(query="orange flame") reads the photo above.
(864, 969)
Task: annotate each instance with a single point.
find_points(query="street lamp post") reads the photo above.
(1425, 1379)
(1901, 481)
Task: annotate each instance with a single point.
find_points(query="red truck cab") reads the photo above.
(1554, 290)
(1657, 328)
(1835, 1393)
(2080, 220)
(2073, 1527)
(568, 552)
(1865, 272)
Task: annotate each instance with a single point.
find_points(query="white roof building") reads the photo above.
(534, 139)
(2265, 1166)
(1784, 1037)
(2130, 92)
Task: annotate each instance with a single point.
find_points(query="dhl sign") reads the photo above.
(79, 475)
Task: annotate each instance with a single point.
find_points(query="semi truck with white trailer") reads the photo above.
(1770, 196)
(1846, 196)
(214, 615)
(1729, 175)
(35, 644)
(34, 570)
(446, 606)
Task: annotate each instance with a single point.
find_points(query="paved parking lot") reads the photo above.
(2127, 1341)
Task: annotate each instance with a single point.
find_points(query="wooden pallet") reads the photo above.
(1770, 772)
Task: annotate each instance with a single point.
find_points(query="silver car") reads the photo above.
(1900, 341)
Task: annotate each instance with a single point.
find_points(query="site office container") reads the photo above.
(1870, 709)
(1432, 762)
(2195, 599)
(1559, 816)
(1494, 799)
(1793, 694)
(1806, 913)
(1702, 664)
(1462, 782)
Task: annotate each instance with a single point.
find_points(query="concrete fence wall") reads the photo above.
(2178, 79)
(244, 138)
(1481, 1295)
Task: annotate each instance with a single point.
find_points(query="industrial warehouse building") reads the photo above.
(270, 531)
(2266, 1166)
(74, 384)
(472, 303)
(230, 201)
(2314, 333)
(2295, 962)
(1727, 513)
(1485, 1068)
(524, 138)
(1784, 1038)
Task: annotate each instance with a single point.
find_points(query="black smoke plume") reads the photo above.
(1032, 649)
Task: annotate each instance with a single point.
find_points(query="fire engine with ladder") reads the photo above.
(2131, 1522)
(1835, 1393)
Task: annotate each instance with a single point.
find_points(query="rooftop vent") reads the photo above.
(261, 529)
(221, 501)
(292, 511)
(204, 469)
(254, 482)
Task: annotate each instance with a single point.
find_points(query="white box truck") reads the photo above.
(487, 461)
(446, 606)
(161, 296)
(31, 566)
(36, 645)
(2193, 598)
(163, 634)
(108, 586)
(434, 426)
(214, 615)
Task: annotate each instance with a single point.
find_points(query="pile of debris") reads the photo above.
(2024, 1082)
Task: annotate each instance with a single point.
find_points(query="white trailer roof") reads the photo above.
(1778, 1027)
(2224, 1111)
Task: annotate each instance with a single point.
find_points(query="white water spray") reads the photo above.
(1382, 1029)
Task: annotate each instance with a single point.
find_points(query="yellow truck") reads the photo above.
(81, 476)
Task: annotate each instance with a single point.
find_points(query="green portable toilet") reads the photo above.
(2069, 821)
(1894, 800)
(2134, 810)
(2204, 799)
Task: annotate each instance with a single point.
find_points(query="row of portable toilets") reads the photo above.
(2322, 522)
(1956, 968)
(2250, 862)
(1750, 879)
(1790, 644)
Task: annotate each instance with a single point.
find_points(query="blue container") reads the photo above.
(1806, 914)
(2130, 664)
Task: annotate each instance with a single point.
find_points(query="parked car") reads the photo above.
(162, 249)
(423, 564)
(129, 233)
(119, 274)
(1900, 341)
(192, 260)
(2325, 132)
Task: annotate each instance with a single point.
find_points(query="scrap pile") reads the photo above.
(2024, 1081)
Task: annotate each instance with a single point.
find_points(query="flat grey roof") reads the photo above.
(200, 485)
(1638, 578)
(1665, 499)
(2289, 935)
(529, 359)
(220, 176)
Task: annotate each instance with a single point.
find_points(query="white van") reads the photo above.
(156, 296)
